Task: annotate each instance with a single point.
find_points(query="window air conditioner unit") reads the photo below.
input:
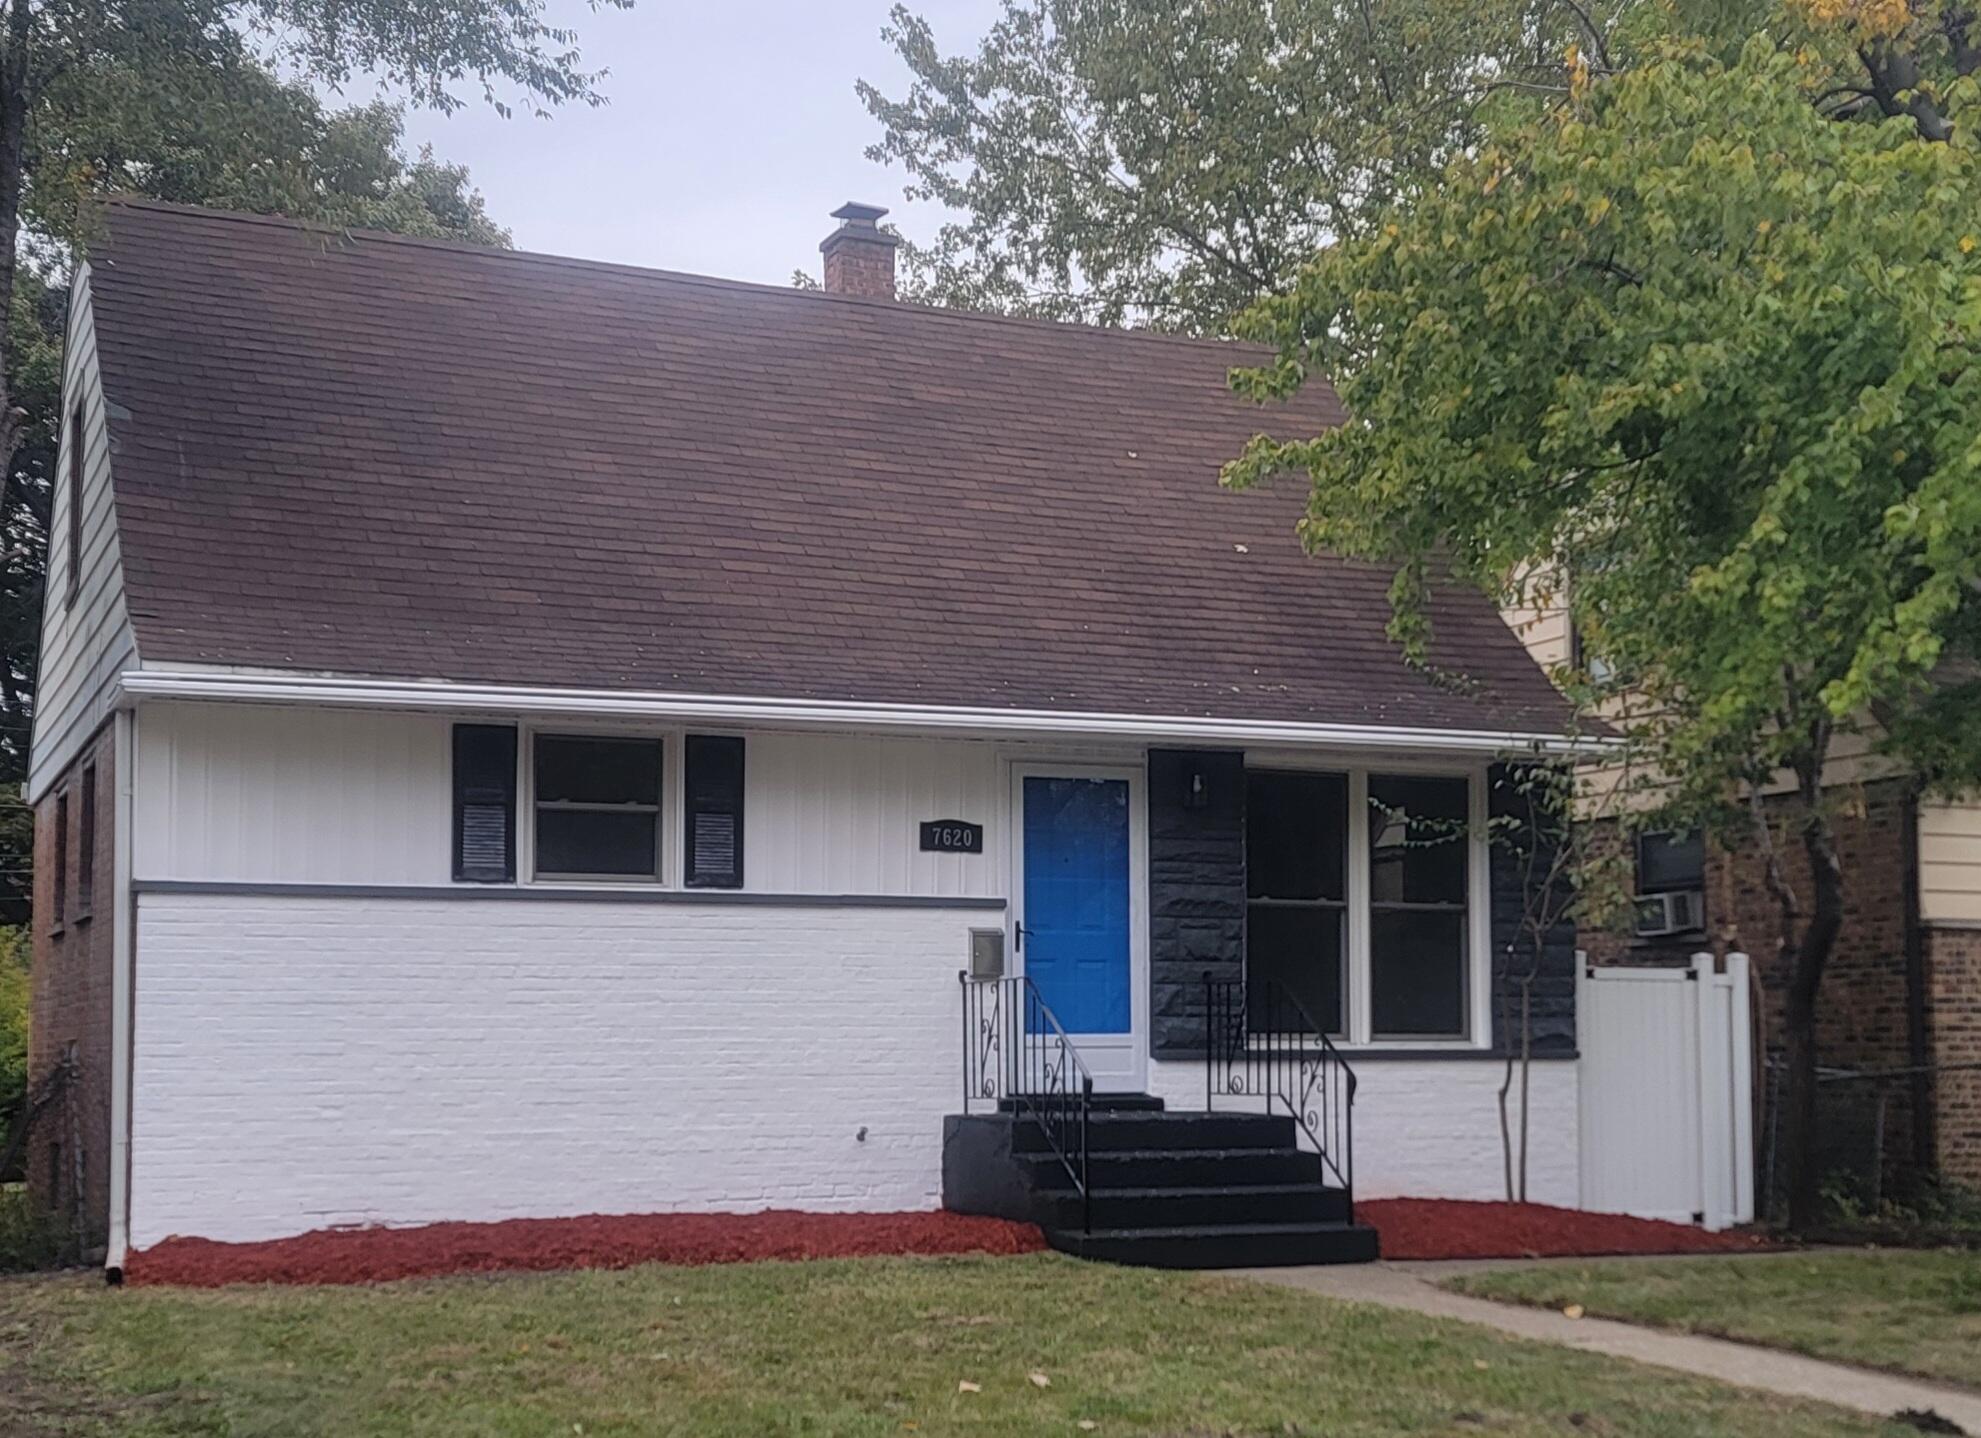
(1683, 911)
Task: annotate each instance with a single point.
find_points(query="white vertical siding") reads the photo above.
(86, 644)
(1950, 862)
(239, 793)
(248, 793)
(838, 815)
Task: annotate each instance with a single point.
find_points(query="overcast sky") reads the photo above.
(732, 133)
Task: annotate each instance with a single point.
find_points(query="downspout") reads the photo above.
(1924, 1120)
(123, 935)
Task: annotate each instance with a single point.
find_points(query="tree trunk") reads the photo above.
(1526, 1072)
(1812, 956)
(1506, 1087)
(14, 79)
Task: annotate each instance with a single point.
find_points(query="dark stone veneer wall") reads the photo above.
(1552, 1011)
(1196, 890)
(1197, 909)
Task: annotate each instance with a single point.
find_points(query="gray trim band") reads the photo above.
(547, 893)
(1357, 1057)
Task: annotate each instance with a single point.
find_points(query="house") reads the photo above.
(1899, 1013)
(523, 736)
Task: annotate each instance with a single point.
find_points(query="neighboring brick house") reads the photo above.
(1901, 996)
(558, 731)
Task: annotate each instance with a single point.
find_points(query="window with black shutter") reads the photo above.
(714, 792)
(484, 803)
(598, 808)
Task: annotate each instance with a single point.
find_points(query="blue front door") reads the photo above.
(1075, 943)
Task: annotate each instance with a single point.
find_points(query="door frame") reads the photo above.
(1134, 1053)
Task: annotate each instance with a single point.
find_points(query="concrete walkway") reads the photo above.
(1414, 1286)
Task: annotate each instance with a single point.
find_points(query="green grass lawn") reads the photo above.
(873, 1346)
(1913, 1312)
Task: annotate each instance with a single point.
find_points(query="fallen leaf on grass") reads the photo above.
(1481, 1364)
(964, 1385)
(1039, 1380)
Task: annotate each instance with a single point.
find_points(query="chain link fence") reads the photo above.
(1864, 1131)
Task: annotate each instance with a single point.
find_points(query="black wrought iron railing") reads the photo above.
(1016, 1055)
(1261, 1045)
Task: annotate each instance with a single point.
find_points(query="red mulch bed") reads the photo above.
(1448, 1228)
(1410, 1228)
(370, 1255)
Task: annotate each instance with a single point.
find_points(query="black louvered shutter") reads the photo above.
(484, 803)
(714, 789)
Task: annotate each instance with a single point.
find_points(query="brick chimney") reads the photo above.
(859, 259)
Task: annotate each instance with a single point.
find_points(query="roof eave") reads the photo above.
(340, 691)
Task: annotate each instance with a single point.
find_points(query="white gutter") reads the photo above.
(123, 932)
(265, 688)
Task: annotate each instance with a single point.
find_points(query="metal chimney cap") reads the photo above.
(855, 213)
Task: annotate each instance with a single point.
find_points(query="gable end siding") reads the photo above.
(87, 643)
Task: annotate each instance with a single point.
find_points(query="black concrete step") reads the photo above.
(1166, 1209)
(1179, 1168)
(1119, 1132)
(1272, 1245)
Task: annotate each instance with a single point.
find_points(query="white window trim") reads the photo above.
(1356, 1004)
(671, 817)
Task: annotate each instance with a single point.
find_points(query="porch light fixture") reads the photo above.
(1198, 793)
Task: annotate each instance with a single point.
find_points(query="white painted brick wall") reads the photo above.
(1428, 1128)
(309, 1061)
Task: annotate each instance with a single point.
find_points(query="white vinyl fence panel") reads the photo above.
(1667, 1091)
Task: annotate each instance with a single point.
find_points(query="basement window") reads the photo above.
(597, 807)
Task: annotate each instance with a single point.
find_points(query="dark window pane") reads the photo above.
(61, 858)
(585, 770)
(1300, 949)
(596, 841)
(1670, 861)
(86, 844)
(1296, 835)
(1417, 974)
(1417, 839)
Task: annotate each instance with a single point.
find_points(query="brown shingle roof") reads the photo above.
(377, 456)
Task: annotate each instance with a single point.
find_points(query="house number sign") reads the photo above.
(951, 836)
